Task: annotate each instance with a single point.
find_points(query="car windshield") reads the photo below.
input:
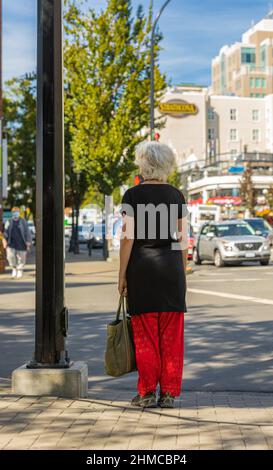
(259, 224)
(230, 230)
(99, 229)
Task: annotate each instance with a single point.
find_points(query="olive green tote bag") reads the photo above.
(120, 351)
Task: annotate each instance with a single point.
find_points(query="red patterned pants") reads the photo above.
(159, 343)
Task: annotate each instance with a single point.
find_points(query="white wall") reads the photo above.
(189, 134)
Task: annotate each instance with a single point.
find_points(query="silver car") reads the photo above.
(229, 242)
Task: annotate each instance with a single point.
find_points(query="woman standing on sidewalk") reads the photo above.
(153, 255)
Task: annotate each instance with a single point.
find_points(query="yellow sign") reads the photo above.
(178, 108)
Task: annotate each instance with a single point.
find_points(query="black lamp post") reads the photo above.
(51, 314)
(152, 64)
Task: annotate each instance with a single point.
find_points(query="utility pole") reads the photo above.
(51, 314)
(152, 65)
(61, 377)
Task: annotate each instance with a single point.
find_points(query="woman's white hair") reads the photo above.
(155, 160)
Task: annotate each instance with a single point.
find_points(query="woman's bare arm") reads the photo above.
(183, 238)
(126, 245)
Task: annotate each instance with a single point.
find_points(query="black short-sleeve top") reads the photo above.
(155, 273)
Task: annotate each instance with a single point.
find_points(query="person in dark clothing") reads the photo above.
(17, 238)
(153, 257)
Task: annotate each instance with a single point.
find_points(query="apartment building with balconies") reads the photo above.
(246, 68)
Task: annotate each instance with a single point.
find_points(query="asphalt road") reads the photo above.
(228, 326)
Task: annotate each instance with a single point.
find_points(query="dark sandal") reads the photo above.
(147, 401)
(166, 400)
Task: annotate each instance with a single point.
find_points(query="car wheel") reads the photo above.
(264, 262)
(218, 260)
(195, 257)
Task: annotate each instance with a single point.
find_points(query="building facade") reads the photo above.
(246, 68)
(214, 136)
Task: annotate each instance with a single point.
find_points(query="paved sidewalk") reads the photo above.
(202, 420)
(228, 345)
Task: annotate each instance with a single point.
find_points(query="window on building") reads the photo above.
(233, 153)
(255, 115)
(211, 134)
(263, 56)
(248, 55)
(256, 135)
(211, 114)
(258, 82)
(233, 134)
(264, 83)
(223, 73)
(252, 82)
(233, 114)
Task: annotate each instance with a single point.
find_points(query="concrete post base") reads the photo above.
(68, 383)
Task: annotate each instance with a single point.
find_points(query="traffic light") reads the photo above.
(157, 136)
(138, 179)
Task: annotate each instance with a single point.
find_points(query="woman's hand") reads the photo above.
(122, 285)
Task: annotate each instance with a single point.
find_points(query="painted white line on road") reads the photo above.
(228, 279)
(231, 296)
(215, 272)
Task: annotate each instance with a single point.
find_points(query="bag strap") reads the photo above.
(121, 307)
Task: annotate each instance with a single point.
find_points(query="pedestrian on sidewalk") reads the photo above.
(153, 256)
(17, 241)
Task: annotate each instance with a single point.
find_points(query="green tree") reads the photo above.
(175, 178)
(247, 191)
(107, 62)
(20, 128)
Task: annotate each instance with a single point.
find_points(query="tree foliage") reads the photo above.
(247, 191)
(20, 128)
(107, 60)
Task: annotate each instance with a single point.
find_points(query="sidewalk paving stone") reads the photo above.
(232, 421)
(202, 419)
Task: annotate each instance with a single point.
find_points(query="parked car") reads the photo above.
(117, 227)
(261, 227)
(67, 231)
(191, 242)
(98, 234)
(32, 230)
(84, 233)
(229, 242)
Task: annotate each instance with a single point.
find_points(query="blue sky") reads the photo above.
(193, 33)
